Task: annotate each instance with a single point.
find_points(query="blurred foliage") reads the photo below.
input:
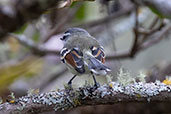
(36, 36)
(28, 67)
(80, 15)
(158, 10)
(14, 45)
(22, 29)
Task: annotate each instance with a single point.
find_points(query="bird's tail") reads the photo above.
(97, 67)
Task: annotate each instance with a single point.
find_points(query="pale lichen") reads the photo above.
(12, 96)
(141, 77)
(142, 89)
(65, 99)
(124, 77)
(31, 92)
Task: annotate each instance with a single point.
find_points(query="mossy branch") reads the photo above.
(88, 95)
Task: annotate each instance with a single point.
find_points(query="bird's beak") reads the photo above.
(61, 38)
(64, 36)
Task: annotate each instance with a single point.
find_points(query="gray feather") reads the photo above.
(96, 65)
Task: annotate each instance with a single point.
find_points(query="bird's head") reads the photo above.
(72, 32)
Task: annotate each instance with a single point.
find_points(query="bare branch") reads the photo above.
(36, 49)
(151, 28)
(106, 94)
(157, 38)
(136, 35)
(123, 12)
(41, 51)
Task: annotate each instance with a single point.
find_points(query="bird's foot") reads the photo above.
(96, 85)
(68, 86)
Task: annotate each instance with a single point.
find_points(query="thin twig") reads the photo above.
(157, 38)
(144, 31)
(136, 35)
(122, 55)
(149, 31)
(152, 29)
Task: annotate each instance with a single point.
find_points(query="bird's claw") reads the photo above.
(96, 85)
(70, 86)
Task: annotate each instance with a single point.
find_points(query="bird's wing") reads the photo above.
(97, 67)
(98, 53)
(95, 59)
(74, 58)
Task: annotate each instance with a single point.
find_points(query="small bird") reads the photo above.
(82, 54)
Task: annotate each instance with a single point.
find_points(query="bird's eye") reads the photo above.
(65, 36)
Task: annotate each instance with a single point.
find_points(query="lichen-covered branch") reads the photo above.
(89, 95)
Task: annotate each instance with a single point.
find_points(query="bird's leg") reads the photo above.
(95, 82)
(70, 81)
